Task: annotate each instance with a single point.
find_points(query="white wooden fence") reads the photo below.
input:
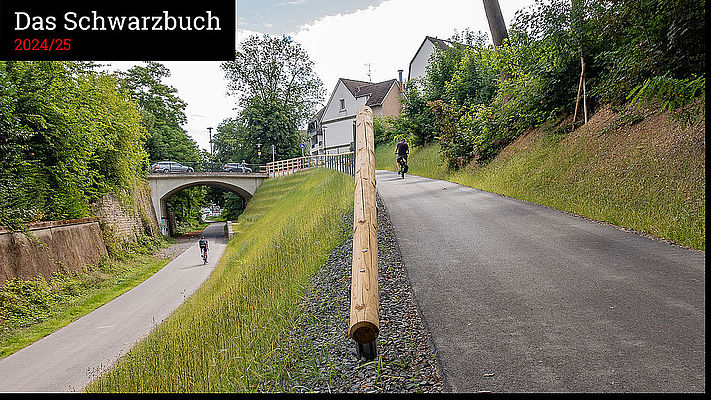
(343, 162)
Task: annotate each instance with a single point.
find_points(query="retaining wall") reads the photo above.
(48, 247)
(124, 223)
(71, 245)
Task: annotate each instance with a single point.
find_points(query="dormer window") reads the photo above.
(343, 104)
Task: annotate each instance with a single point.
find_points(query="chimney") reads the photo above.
(399, 73)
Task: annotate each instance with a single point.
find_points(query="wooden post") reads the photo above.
(585, 104)
(580, 88)
(364, 316)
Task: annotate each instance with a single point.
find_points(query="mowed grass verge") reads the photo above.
(632, 169)
(228, 336)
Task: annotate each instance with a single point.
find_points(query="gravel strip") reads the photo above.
(406, 359)
(183, 243)
(176, 249)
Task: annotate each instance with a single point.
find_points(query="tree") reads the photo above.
(163, 113)
(231, 142)
(18, 202)
(277, 90)
(72, 137)
(635, 40)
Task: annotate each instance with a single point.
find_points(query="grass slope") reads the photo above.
(633, 168)
(227, 336)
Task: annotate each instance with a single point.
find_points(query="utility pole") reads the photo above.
(208, 167)
(496, 22)
(498, 32)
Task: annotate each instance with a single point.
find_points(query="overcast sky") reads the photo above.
(345, 39)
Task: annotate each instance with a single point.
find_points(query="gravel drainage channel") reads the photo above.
(406, 360)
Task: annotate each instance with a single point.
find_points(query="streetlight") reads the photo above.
(210, 130)
(208, 167)
(323, 132)
(273, 148)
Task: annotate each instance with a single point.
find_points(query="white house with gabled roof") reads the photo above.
(419, 63)
(331, 130)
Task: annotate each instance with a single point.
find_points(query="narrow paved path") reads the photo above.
(68, 359)
(523, 298)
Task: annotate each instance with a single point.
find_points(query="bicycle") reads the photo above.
(402, 163)
(204, 256)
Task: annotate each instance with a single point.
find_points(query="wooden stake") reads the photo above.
(364, 316)
(580, 88)
(585, 103)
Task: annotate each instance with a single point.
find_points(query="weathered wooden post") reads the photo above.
(364, 317)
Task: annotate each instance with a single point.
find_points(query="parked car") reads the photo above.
(236, 167)
(169, 167)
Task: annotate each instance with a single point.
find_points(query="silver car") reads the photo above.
(169, 167)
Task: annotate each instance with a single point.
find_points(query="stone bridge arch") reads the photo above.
(163, 186)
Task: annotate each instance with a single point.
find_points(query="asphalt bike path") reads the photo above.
(71, 357)
(523, 298)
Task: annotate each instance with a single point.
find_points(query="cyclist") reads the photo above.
(203, 246)
(402, 150)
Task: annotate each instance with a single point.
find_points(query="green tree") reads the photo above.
(277, 90)
(233, 206)
(637, 50)
(231, 143)
(269, 124)
(163, 113)
(73, 137)
(18, 202)
(636, 40)
(416, 118)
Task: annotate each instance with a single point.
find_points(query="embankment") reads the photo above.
(234, 325)
(632, 168)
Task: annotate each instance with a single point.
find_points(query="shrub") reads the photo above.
(683, 98)
(23, 302)
(475, 99)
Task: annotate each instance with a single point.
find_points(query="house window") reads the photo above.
(343, 104)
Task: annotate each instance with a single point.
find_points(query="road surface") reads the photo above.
(70, 358)
(523, 298)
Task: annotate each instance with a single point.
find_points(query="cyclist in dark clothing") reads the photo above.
(402, 150)
(203, 245)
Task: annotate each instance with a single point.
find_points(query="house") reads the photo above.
(419, 63)
(331, 130)
(314, 132)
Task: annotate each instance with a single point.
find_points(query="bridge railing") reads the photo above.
(344, 162)
(218, 167)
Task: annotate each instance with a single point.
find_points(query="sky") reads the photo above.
(354, 39)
